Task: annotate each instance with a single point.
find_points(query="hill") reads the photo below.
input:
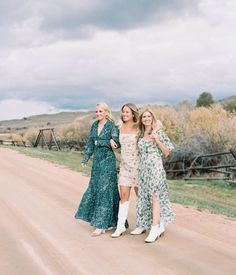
(227, 100)
(41, 121)
(46, 121)
(62, 118)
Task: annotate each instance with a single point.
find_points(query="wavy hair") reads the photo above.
(107, 109)
(133, 109)
(141, 127)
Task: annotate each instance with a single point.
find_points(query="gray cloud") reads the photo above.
(14, 11)
(114, 14)
(73, 54)
(80, 19)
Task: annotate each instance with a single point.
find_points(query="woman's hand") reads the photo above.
(113, 144)
(154, 138)
(84, 165)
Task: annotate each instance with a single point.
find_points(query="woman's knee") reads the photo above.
(124, 196)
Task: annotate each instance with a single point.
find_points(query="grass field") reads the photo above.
(215, 196)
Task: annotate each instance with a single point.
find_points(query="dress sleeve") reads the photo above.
(165, 140)
(89, 148)
(115, 135)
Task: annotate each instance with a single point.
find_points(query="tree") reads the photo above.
(205, 99)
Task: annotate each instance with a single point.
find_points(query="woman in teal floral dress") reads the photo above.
(153, 204)
(100, 203)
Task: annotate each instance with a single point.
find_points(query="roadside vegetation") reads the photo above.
(204, 128)
(214, 196)
(194, 130)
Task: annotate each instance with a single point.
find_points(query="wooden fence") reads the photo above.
(205, 167)
(13, 142)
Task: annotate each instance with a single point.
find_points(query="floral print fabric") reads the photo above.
(100, 203)
(152, 181)
(128, 175)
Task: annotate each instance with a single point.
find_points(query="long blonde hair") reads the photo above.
(106, 108)
(134, 111)
(142, 127)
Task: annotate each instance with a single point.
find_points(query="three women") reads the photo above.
(141, 165)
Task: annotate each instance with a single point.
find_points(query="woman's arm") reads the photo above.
(115, 135)
(163, 142)
(89, 148)
(163, 148)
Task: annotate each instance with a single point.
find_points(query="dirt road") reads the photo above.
(39, 235)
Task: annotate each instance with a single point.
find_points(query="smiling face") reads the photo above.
(100, 113)
(126, 114)
(147, 119)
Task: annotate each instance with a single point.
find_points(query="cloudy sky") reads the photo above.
(68, 55)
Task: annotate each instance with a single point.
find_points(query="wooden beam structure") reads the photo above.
(46, 138)
(205, 165)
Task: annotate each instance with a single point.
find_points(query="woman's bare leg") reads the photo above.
(155, 210)
(124, 193)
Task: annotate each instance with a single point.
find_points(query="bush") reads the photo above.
(194, 131)
(30, 137)
(73, 136)
(231, 106)
(208, 130)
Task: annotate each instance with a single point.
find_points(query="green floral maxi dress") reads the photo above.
(152, 180)
(100, 203)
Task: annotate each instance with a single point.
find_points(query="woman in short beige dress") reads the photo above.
(128, 176)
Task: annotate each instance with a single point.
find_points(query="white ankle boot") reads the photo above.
(161, 229)
(98, 232)
(155, 232)
(122, 216)
(138, 231)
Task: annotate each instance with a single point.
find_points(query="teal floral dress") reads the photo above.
(100, 203)
(152, 180)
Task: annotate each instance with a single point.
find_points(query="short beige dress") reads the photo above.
(128, 175)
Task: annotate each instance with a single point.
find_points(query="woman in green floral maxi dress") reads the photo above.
(100, 203)
(153, 204)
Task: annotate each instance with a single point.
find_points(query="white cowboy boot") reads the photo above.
(161, 228)
(155, 232)
(138, 231)
(122, 216)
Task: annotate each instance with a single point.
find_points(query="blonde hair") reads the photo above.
(159, 125)
(133, 109)
(106, 108)
(155, 122)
